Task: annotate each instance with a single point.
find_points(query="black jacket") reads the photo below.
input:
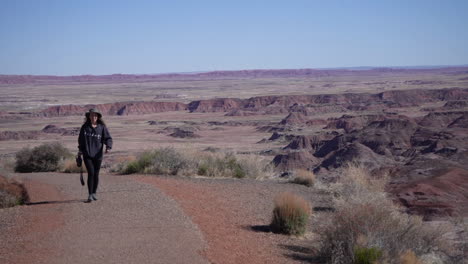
(91, 140)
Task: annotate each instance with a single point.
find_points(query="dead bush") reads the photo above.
(290, 215)
(12, 193)
(304, 177)
(362, 209)
(230, 165)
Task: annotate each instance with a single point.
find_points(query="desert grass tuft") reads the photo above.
(364, 255)
(290, 215)
(304, 177)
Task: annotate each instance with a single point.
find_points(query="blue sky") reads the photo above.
(103, 37)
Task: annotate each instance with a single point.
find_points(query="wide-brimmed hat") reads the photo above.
(93, 110)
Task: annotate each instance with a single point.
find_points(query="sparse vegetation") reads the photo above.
(120, 163)
(159, 161)
(367, 220)
(168, 161)
(228, 165)
(12, 193)
(304, 177)
(366, 255)
(45, 157)
(290, 215)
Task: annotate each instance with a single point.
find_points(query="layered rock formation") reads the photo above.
(120, 108)
(427, 157)
(313, 104)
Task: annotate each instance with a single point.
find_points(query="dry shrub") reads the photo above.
(161, 161)
(12, 193)
(218, 165)
(231, 165)
(362, 209)
(304, 177)
(290, 215)
(7, 165)
(409, 258)
(69, 166)
(45, 157)
(190, 162)
(254, 166)
(121, 162)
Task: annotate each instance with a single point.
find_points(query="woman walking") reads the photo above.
(93, 136)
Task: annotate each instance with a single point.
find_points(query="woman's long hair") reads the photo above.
(87, 120)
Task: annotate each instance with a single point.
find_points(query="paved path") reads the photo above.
(132, 222)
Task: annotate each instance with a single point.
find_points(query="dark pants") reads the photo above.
(93, 166)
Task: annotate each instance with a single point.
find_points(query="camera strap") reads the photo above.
(81, 176)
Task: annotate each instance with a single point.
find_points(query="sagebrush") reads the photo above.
(366, 218)
(168, 161)
(160, 161)
(45, 157)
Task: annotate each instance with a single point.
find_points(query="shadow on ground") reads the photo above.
(301, 253)
(259, 228)
(57, 202)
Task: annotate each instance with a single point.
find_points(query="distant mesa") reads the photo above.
(120, 108)
(214, 105)
(308, 105)
(300, 108)
(267, 73)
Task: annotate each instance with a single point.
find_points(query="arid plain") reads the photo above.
(410, 124)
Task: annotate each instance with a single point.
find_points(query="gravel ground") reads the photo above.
(234, 216)
(150, 219)
(130, 223)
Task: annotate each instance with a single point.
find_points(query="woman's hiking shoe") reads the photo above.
(94, 196)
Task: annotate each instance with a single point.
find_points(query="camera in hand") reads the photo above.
(79, 161)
